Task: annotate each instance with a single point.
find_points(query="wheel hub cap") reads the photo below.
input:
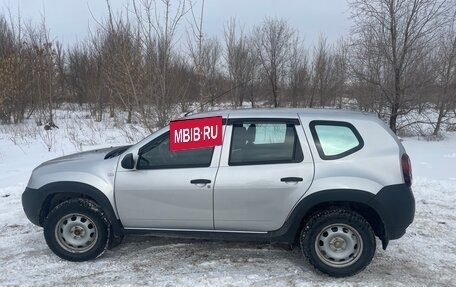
(338, 245)
(76, 233)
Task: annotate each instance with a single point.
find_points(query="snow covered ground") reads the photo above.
(425, 256)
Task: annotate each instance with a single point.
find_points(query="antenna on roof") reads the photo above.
(219, 96)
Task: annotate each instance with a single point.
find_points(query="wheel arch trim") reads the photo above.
(331, 197)
(48, 191)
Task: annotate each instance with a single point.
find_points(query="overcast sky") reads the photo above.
(69, 20)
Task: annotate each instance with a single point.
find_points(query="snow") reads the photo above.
(426, 255)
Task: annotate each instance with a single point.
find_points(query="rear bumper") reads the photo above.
(32, 200)
(396, 207)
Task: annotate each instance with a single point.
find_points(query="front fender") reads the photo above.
(35, 201)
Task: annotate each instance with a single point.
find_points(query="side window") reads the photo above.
(156, 155)
(335, 139)
(259, 142)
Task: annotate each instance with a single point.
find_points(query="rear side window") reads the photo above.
(335, 139)
(256, 142)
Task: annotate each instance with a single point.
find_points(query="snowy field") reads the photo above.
(425, 256)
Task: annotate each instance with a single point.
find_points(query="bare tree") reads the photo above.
(445, 67)
(205, 59)
(78, 73)
(298, 72)
(272, 42)
(6, 37)
(96, 90)
(322, 66)
(8, 71)
(240, 61)
(158, 22)
(401, 58)
(123, 63)
(210, 66)
(401, 32)
(370, 77)
(340, 69)
(199, 50)
(254, 78)
(46, 79)
(16, 97)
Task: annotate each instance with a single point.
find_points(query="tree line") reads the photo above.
(400, 57)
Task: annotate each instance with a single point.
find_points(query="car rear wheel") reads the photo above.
(338, 242)
(77, 230)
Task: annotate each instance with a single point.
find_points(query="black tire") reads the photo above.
(338, 242)
(77, 230)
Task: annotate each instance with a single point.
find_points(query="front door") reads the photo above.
(172, 190)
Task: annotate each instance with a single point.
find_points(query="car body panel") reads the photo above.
(165, 198)
(245, 199)
(87, 167)
(252, 197)
(376, 165)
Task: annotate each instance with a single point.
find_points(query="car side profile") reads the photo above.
(328, 181)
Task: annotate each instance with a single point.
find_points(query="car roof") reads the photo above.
(334, 114)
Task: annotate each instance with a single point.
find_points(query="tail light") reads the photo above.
(407, 169)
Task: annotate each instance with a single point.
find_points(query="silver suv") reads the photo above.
(328, 181)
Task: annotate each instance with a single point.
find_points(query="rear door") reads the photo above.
(263, 172)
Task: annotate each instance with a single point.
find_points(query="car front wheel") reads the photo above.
(338, 242)
(77, 230)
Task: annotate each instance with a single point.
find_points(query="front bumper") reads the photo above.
(32, 200)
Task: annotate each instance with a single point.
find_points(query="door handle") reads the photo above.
(291, 179)
(200, 181)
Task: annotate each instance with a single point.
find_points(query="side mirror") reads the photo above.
(128, 161)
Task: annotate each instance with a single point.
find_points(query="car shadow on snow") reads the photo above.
(206, 252)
